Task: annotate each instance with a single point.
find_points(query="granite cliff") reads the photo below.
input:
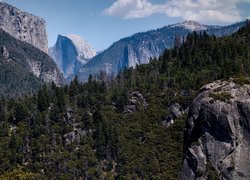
(70, 53)
(24, 26)
(217, 134)
(24, 62)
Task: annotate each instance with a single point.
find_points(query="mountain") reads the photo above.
(24, 26)
(191, 26)
(217, 135)
(70, 53)
(132, 127)
(24, 67)
(139, 48)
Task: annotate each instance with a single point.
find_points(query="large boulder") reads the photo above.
(217, 134)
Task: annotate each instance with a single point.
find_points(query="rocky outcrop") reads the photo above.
(135, 101)
(52, 75)
(74, 136)
(77, 133)
(70, 53)
(217, 134)
(175, 111)
(24, 26)
(4, 52)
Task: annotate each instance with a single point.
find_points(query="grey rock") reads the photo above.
(217, 134)
(70, 53)
(52, 75)
(128, 109)
(139, 48)
(74, 136)
(77, 132)
(168, 121)
(24, 26)
(4, 52)
(175, 111)
(136, 99)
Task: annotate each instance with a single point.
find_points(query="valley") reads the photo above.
(169, 103)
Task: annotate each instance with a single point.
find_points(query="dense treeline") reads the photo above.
(14, 81)
(83, 130)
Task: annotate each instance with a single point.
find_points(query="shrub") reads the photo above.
(223, 96)
(242, 80)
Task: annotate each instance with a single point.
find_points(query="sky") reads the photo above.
(102, 22)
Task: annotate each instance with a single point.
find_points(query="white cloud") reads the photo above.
(206, 11)
(132, 9)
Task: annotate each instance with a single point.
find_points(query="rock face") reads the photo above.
(217, 135)
(139, 48)
(134, 101)
(70, 53)
(24, 26)
(29, 59)
(175, 111)
(4, 52)
(74, 136)
(77, 133)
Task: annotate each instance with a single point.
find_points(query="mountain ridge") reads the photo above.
(191, 25)
(141, 47)
(131, 127)
(70, 53)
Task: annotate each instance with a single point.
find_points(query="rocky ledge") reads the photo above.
(217, 134)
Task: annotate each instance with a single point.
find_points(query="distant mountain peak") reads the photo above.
(191, 25)
(143, 46)
(70, 53)
(84, 49)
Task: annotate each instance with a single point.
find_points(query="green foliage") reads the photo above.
(222, 96)
(242, 80)
(21, 112)
(18, 173)
(16, 75)
(80, 131)
(42, 99)
(212, 173)
(15, 81)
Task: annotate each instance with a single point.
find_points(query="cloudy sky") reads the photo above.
(102, 22)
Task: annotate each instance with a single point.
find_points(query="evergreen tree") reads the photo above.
(43, 99)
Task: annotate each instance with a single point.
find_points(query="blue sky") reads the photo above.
(102, 22)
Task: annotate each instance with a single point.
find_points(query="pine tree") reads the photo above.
(21, 112)
(43, 99)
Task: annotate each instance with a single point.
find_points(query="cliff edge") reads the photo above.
(217, 134)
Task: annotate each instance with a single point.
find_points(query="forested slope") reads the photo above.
(118, 127)
(23, 67)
